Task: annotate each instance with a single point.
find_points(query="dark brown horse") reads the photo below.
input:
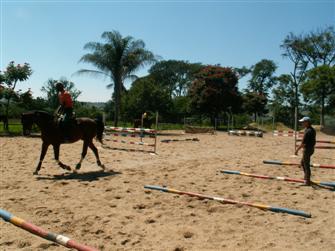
(83, 128)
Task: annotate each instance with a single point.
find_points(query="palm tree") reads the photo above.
(118, 59)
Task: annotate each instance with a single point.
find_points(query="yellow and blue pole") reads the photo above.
(57, 238)
(278, 162)
(329, 184)
(223, 200)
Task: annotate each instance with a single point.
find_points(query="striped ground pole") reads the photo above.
(229, 201)
(328, 184)
(130, 142)
(245, 133)
(322, 147)
(278, 162)
(322, 141)
(131, 132)
(57, 238)
(127, 129)
(122, 134)
(176, 140)
(128, 149)
(287, 133)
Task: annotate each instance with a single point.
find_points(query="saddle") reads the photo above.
(59, 119)
(65, 126)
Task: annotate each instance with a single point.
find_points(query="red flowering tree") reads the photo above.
(214, 91)
(9, 79)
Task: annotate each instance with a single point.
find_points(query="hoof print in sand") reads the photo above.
(188, 235)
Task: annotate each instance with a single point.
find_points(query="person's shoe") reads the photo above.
(308, 183)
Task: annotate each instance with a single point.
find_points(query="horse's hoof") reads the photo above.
(78, 166)
(67, 168)
(35, 173)
(102, 166)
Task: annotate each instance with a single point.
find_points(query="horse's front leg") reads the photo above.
(43, 152)
(56, 153)
(95, 151)
(83, 154)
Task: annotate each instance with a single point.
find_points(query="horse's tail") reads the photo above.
(100, 129)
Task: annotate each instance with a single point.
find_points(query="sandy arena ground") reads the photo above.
(112, 211)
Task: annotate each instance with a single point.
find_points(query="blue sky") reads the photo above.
(50, 35)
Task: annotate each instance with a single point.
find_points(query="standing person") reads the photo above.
(66, 107)
(307, 143)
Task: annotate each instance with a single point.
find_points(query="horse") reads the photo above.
(82, 129)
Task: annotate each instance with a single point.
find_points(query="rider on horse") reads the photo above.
(65, 109)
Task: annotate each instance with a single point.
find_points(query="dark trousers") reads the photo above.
(306, 163)
(67, 122)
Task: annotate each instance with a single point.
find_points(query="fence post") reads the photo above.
(295, 128)
(156, 132)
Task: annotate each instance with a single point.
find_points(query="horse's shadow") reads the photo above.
(89, 176)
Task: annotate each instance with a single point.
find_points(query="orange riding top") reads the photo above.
(65, 99)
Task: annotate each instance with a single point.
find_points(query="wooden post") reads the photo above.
(295, 128)
(156, 132)
(228, 122)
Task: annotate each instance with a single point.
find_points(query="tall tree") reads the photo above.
(262, 78)
(319, 87)
(118, 58)
(49, 88)
(294, 47)
(175, 75)
(283, 101)
(9, 79)
(320, 47)
(146, 96)
(242, 72)
(214, 91)
(255, 103)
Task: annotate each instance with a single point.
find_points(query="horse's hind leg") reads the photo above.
(83, 154)
(56, 154)
(43, 152)
(95, 151)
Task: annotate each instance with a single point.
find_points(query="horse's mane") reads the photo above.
(40, 113)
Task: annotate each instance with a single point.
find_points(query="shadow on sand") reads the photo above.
(317, 187)
(90, 176)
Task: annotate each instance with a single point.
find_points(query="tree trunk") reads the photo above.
(6, 114)
(117, 91)
(296, 103)
(322, 120)
(116, 109)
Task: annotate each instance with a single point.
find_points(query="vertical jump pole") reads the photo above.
(232, 122)
(295, 128)
(273, 122)
(156, 132)
(228, 122)
(104, 118)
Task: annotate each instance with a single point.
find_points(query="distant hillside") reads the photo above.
(99, 105)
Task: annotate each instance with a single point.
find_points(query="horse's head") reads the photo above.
(38, 117)
(27, 121)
